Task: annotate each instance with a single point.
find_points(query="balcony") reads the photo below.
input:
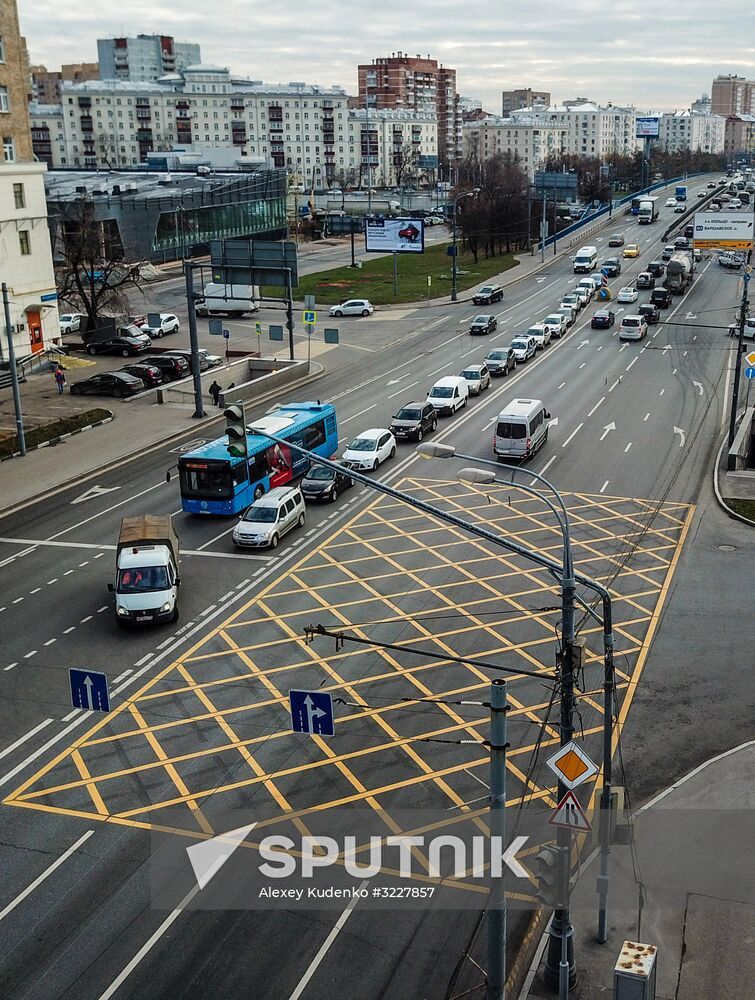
(144, 135)
(85, 102)
(143, 114)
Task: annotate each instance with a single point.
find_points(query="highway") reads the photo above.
(199, 742)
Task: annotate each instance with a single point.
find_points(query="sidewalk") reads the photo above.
(700, 882)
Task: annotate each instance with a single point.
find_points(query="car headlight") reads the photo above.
(123, 612)
(166, 606)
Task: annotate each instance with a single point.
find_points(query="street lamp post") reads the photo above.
(455, 202)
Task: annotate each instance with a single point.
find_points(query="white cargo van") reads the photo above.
(521, 430)
(227, 300)
(449, 394)
(585, 260)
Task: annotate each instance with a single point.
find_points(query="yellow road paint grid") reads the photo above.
(210, 733)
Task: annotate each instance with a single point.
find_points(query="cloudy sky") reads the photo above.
(653, 53)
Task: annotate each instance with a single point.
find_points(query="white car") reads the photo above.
(556, 323)
(540, 333)
(735, 203)
(353, 307)
(264, 523)
(702, 194)
(680, 208)
(369, 449)
(671, 203)
(573, 300)
(523, 348)
(72, 322)
(633, 327)
(168, 324)
(627, 294)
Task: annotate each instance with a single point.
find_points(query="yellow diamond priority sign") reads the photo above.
(749, 358)
(571, 765)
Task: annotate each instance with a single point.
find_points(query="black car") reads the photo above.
(170, 365)
(150, 375)
(651, 312)
(661, 297)
(501, 361)
(689, 231)
(120, 345)
(322, 483)
(483, 324)
(414, 420)
(645, 280)
(116, 384)
(617, 240)
(602, 319)
(611, 267)
(488, 294)
(657, 268)
(681, 243)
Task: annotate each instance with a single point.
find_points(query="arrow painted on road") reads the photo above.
(539, 280)
(607, 430)
(620, 310)
(698, 386)
(691, 316)
(582, 343)
(95, 491)
(395, 381)
(553, 423)
(682, 436)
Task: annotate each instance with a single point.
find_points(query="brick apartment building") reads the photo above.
(413, 83)
(524, 97)
(45, 84)
(14, 85)
(732, 95)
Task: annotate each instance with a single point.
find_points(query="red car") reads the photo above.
(410, 233)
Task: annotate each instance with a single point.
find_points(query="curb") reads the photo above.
(60, 437)
(116, 463)
(719, 496)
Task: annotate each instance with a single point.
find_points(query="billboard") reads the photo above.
(394, 236)
(647, 128)
(555, 182)
(728, 230)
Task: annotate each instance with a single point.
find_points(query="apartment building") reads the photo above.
(392, 148)
(531, 140)
(739, 134)
(684, 130)
(145, 57)
(592, 130)
(45, 84)
(524, 97)
(732, 95)
(15, 131)
(26, 259)
(412, 83)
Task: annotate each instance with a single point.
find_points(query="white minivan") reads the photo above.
(264, 523)
(521, 429)
(449, 394)
(227, 300)
(585, 260)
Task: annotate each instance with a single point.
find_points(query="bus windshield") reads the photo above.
(209, 480)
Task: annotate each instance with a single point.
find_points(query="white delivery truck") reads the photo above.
(228, 300)
(647, 213)
(146, 571)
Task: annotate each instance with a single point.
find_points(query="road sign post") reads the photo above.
(89, 690)
(497, 903)
(312, 712)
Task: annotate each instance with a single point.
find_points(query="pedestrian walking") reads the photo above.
(215, 391)
(60, 380)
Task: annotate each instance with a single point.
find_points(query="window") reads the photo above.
(18, 196)
(24, 243)
(9, 150)
(2, 50)
(4, 101)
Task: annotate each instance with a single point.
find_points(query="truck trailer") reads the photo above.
(146, 571)
(647, 211)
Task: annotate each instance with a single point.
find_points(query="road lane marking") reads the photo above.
(355, 415)
(50, 642)
(544, 469)
(119, 678)
(634, 359)
(11, 666)
(405, 389)
(617, 382)
(562, 385)
(661, 392)
(646, 417)
(603, 487)
(627, 447)
(601, 400)
(45, 874)
(27, 736)
(28, 656)
(583, 364)
(576, 429)
(325, 947)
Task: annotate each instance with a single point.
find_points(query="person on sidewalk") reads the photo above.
(60, 380)
(215, 391)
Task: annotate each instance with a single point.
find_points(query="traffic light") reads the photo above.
(550, 877)
(235, 428)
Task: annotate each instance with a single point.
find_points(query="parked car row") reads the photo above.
(146, 373)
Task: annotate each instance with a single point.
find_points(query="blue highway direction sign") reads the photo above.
(89, 690)
(312, 712)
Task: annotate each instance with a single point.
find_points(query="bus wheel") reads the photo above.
(259, 492)
(274, 542)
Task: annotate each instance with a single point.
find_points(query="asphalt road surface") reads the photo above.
(199, 742)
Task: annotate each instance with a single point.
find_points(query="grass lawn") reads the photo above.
(45, 432)
(374, 281)
(744, 507)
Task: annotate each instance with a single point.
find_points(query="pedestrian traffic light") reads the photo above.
(235, 428)
(550, 877)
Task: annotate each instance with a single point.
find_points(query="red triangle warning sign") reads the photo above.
(570, 814)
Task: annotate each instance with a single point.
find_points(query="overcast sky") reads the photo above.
(656, 54)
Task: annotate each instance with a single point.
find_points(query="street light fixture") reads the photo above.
(457, 198)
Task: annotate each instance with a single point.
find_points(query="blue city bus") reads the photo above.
(635, 206)
(214, 482)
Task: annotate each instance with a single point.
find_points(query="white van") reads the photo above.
(521, 430)
(227, 300)
(449, 394)
(585, 260)
(269, 518)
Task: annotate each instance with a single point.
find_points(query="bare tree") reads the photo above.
(404, 163)
(91, 272)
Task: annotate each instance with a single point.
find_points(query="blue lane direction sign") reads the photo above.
(89, 690)
(312, 712)
(310, 316)
(749, 372)
(226, 334)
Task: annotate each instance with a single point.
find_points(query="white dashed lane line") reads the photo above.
(573, 434)
(603, 487)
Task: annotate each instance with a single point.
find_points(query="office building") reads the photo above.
(15, 130)
(524, 97)
(412, 83)
(145, 57)
(732, 95)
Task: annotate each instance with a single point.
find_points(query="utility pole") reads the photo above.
(290, 314)
(743, 307)
(543, 230)
(14, 374)
(497, 902)
(193, 340)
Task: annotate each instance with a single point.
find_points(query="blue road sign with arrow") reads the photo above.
(749, 372)
(89, 690)
(312, 712)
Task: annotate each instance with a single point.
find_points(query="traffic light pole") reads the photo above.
(14, 374)
(497, 901)
(194, 341)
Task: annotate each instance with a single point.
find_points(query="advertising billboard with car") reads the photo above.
(647, 128)
(394, 235)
